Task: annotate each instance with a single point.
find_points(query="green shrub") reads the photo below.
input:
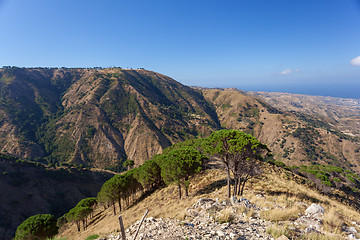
(279, 164)
(321, 177)
(40, 226)
(92, 237)
(336, 180)
(327, 183)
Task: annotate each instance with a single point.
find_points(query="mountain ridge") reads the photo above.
(101, 117)
(90, 109)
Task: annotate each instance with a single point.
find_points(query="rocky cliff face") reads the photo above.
(97, 117)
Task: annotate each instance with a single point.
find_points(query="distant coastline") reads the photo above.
(338, 90)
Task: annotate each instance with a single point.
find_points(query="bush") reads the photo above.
(336, 180)
(279, 164)
(327, 183)
(92, 237)
(40, 226)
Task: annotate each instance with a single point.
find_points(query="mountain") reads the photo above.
(97, 117)
(295, 137)
(29, 188)
(101, 117)
(344, 113)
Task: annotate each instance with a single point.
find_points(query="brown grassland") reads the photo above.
(280, 196)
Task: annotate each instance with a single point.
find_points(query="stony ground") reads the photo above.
(210, 219)
(202, 221)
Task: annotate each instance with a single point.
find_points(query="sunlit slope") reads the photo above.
(293, 137)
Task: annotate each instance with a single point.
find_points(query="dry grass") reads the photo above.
(276, 230)
(226, 215)
(333, 220)
(318, 236)
(285, 199)
(162, 203)
(286, 214)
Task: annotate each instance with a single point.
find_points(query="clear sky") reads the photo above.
(300, 46)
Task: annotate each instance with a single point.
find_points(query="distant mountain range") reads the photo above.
(101, 117)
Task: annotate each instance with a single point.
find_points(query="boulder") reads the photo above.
(282, 237)
(315, 209)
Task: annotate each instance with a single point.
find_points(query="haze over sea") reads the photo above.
(334, 90)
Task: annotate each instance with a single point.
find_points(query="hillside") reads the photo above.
(97, 117)
(293, 137)
(273, 204)
(28, 188)
(101, 117)
(343, 113)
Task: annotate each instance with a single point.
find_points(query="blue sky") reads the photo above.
(300, 46)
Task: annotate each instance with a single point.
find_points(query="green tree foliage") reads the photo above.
(129, 164)
(149, 174)
(40, 226)
(119, 187)
(238, 152)
(87, 202)
(179, 164)
(326, 176)
(78, 214)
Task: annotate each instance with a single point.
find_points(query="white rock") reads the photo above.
(233, 200)
(351, 230)
(351, 236)
(315, 209)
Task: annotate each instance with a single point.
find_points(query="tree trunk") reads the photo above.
(228, 182)
(179, 190)
(239, 186)
(186, 186)
(78, 225)
(119, 201)
(114, 207)
(242, 188)
(235, 186)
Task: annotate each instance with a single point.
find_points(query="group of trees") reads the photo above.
(80, 213)
(239, 153)
(177, 165)
(120, 188)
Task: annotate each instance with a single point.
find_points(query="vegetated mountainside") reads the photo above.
(293, 137)
(28, 188)
(343, 113)
(97, 117)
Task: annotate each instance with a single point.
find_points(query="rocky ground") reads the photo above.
(211, 219)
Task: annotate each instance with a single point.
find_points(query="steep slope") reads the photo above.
(294, 138)
(28, 98)
(28, 188)
(97, 117)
